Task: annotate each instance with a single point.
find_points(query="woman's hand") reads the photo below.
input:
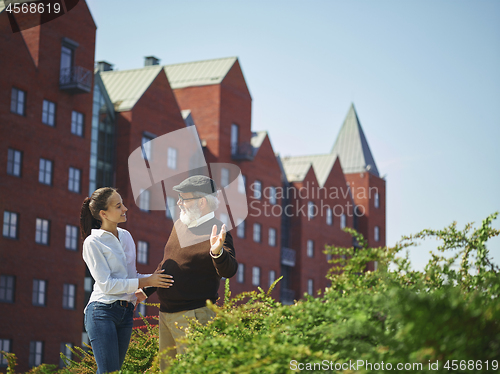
(157, 279)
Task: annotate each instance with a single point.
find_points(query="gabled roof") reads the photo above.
(352, 147)
(126, 87)
(199, 73)
(296, 167)
(256, 140)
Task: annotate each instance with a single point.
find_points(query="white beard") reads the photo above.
(189, 215)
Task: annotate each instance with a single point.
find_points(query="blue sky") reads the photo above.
(424, 78)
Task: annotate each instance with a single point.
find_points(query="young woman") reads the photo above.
(109, 253)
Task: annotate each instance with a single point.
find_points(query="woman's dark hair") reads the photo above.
(89, 216)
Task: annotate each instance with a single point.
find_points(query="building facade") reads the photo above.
(66, 130)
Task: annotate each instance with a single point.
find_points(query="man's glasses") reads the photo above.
(191, 198)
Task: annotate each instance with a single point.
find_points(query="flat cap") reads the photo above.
(197, 183)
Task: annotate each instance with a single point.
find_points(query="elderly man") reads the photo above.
(197, 257)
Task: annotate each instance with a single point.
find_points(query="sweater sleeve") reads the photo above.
(101, 272)
(226, 265)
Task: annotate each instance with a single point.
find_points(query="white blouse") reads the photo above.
(112, 265)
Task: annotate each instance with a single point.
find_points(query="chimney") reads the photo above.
(151, 60)
(104, 66)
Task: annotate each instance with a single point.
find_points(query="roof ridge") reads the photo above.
(207, 60)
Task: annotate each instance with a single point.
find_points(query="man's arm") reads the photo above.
(225, 263)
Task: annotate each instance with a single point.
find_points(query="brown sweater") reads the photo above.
(196, 274)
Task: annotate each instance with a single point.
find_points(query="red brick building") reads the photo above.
(45, 114)
(63, 134)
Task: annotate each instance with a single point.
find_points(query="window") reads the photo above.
(257, 190)
(140, 310)
(224, 218)
(310, 210)
(49, 113)
(256, 232)
(42, 231)
(5, 345)
(144, 198)
(65, 350)
(77, 123)
(14, 160)
(310, 248)
(69, 292)
(342, 221)
(240, 274)
(272, 195)
(7, 288)
(272, 237)
(147, 147)
(45, 172)
(18, 101)
(329, 217)
(36, 353)
(272, 277)
(377, 201)
(74, 180)
(256, 276)
(234, 139)
(71, 241)
(39, 290)
(10, 222)
(376, 233)
(142, 252)
(242, 181)
(224, 177)
(66, 60)
(240, 229)
(171, 205)
(172, 158)
(310, 286)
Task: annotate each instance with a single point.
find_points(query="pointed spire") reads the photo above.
(352, 147)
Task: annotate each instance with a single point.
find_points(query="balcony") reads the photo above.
(287, 256)
(242, 152)
(287, 296)
(75, 80)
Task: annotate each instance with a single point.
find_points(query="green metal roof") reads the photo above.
(351, 147)
(257, 139)
(126, 87)
(199, 73)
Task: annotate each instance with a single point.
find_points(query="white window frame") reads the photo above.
(257, 190)
(240, 228)
(310, 210)
(242, 182)
(240, 273)
(224, 177)
(142, 252)
(171, 207)
(49, 113)
(172, 158)
(255, 276)
(376, 202)
(272, 195)
(14, 162)
(42, 231)
(45, 171)
(257, 232)
(7, 288)
(234, 138)
(36, 353)
(5, 345)
(329, 217)
(310, 286)
(310, 248)
(272, 237)
(272, 277)
(18, 101)
(71, 240)
(77, 123)
(39, 292)
(144, 200)
(343, 221)
(376, 233)
(10, 224)
(74, 180)
(69, 296)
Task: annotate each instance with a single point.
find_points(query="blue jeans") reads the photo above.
(109, 327)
